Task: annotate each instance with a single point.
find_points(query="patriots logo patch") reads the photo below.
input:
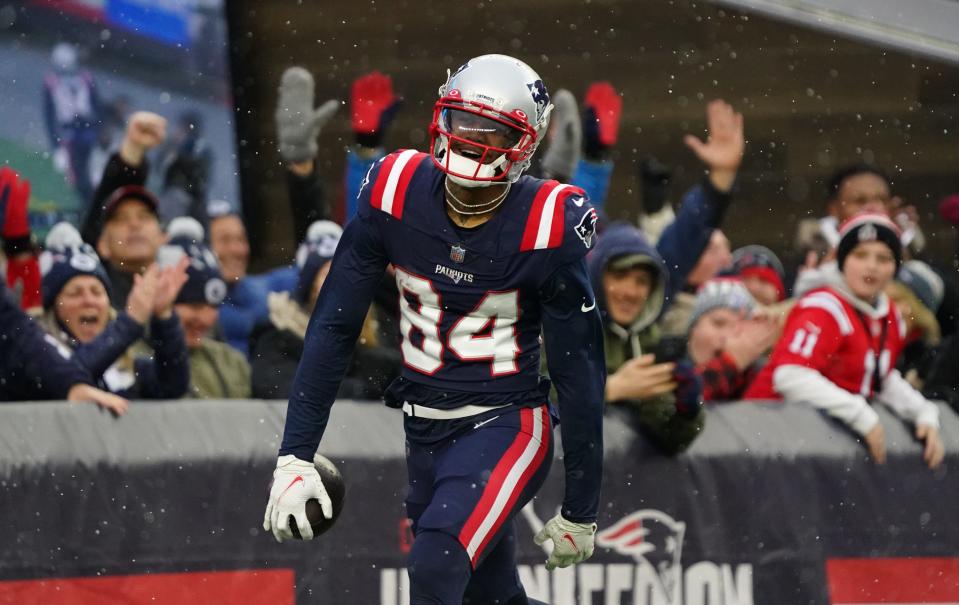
(587, 227)
(538, 90)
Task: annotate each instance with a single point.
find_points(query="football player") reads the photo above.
(485, 260)
(841, 343)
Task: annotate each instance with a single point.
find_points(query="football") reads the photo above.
(335, 488)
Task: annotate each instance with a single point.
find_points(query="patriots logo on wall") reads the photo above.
(587, 227)
(651, 537)
(540, 96)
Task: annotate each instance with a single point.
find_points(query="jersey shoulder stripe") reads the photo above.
(389, 190)
(832, 305)
(545, 223)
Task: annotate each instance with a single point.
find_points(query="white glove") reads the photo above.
(572, 542)
(294, 482)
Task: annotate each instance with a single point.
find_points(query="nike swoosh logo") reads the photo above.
(292, 483)
(579, 202)
(570, 539)
(479, 424)
(589, 308)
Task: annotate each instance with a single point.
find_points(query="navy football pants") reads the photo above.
(464, 493)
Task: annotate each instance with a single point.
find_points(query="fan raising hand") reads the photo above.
(723, 150)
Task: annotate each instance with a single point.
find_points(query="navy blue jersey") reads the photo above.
(469, 299)
(473, 304)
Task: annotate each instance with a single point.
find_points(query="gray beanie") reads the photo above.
(723, 293)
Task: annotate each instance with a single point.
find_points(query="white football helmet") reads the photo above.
(488, 121)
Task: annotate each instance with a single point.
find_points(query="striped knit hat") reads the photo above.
(868, 227)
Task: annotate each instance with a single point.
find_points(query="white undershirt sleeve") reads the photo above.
(799, 383)
(907, 403)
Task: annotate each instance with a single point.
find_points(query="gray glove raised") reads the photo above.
(297, 123)
(565, 137)
(572, 542)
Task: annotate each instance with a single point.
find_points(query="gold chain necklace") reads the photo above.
(484, 208)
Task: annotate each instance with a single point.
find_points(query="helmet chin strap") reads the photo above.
(471, 184)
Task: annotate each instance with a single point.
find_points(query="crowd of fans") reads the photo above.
(150, 297)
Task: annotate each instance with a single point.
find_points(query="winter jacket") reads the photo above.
(357, 167)
(681, 245)
(277, 345)
(119, 361)
(30, 367)
(942, 380)
(656, 417)
(116, 174)
(218, 371)
(594, 177)
(307, 204)
(245, 304)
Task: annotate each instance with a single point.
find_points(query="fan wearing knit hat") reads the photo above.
(77, 314)
(727, 339)
(842, 341)
(761, 272)
(277, 345)
(217, 371)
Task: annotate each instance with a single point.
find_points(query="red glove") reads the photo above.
(25, 269)
(605, 107)
(22, 265)
(949, 209)
(14, 198)
(372, 104)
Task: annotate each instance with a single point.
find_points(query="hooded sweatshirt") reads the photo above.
(656, 417)
(642, 336)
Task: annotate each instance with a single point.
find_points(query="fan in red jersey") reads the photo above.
(841, 342)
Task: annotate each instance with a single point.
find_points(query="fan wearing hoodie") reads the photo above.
(841, 343)
(631, 283)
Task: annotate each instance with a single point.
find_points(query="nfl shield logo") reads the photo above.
(457, 254)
